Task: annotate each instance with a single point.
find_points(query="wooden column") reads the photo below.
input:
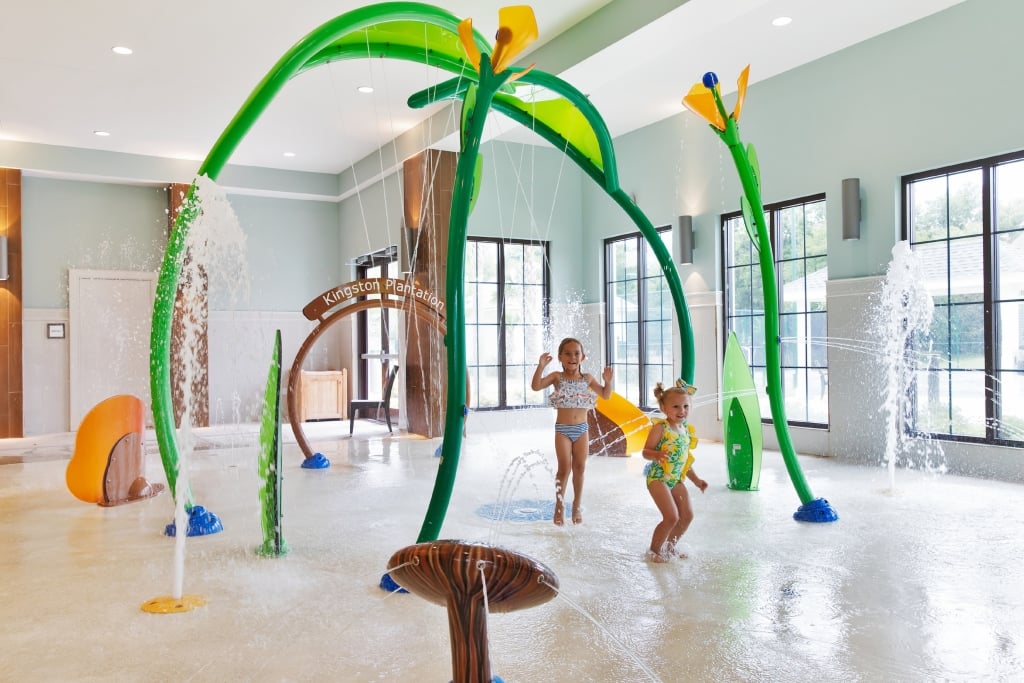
(197, 313)
(427, 180)
(11, 397)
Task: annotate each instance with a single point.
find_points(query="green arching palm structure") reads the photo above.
(705, 100)
(430, 35)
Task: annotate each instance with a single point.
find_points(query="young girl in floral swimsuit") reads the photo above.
(575, 393)
(668, 448)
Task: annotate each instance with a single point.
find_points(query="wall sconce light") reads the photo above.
(4, 273)
(684, 240)
(851, 208)
(413, 208)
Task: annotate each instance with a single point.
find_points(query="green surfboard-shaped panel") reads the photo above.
(741, 418)
(270, 460)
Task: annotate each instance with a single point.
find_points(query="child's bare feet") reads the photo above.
(671, 550)
(559, 515)
(577, 517)
(658, 558)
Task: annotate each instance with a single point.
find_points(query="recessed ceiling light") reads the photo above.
(101, 133)
(121, 50)
(289, 154)
(365, 89)
(782, 21)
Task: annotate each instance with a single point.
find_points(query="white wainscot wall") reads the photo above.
(240, 347)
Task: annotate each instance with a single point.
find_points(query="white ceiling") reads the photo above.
(196, 61)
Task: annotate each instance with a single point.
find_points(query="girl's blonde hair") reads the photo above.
(661, 393)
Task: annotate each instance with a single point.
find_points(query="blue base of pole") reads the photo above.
(318, 462)
(818, 510)
(201, 522)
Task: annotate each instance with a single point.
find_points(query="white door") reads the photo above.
(110, 319)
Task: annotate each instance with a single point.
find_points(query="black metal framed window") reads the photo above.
(376, 336)
(638, 307)
(966, 224)
(507, 293)
(798, 235)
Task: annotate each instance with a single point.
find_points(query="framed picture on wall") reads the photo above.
(55, 330)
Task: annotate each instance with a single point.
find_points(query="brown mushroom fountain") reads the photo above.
(457, 574)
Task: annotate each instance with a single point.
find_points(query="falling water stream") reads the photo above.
(215, 260)
(905, 310)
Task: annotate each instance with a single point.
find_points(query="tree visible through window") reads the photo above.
(639, 308)
(506, 305)
(966, 223)
(798, 234)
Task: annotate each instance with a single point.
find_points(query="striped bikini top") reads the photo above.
(573, 393)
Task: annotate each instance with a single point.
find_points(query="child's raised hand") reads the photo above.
(607, 374)
(545, 359)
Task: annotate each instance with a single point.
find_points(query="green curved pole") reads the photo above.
(160, 343)
(772, 343)
(293, 62)
(590, 113)
(316, 48)
(476, 105)
(608, 181)
(483, 99)
(606, 178)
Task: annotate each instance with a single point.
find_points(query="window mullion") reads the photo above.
(991, 312)
(502, 371)
(641, 331)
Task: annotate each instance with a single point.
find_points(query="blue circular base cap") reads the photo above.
(388, 584)
(201, 522)
(494, 679)
(521, 510)
(818, 510)
(318, 462)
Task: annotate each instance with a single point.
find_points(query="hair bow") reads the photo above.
(688, 388)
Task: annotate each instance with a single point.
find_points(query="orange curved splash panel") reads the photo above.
(101, 429)
(633, 422)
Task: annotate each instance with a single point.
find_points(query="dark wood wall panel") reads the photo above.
(428, 179)
(11, 400)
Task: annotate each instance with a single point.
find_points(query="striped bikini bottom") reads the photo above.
(574, 432)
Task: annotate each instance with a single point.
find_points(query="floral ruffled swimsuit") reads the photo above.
(573, 393)
(679, 458)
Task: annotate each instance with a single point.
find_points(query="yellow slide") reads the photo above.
(633, 422)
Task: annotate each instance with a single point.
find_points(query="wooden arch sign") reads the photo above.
(344, 300)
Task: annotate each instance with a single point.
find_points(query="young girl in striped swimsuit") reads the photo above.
(575, 393)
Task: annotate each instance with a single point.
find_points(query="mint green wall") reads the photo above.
(292, 245)
(527, 192)
(293, 251)
(663, 167)
(939, 91)
(371, 220)
(97, 226)
(533, 193)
